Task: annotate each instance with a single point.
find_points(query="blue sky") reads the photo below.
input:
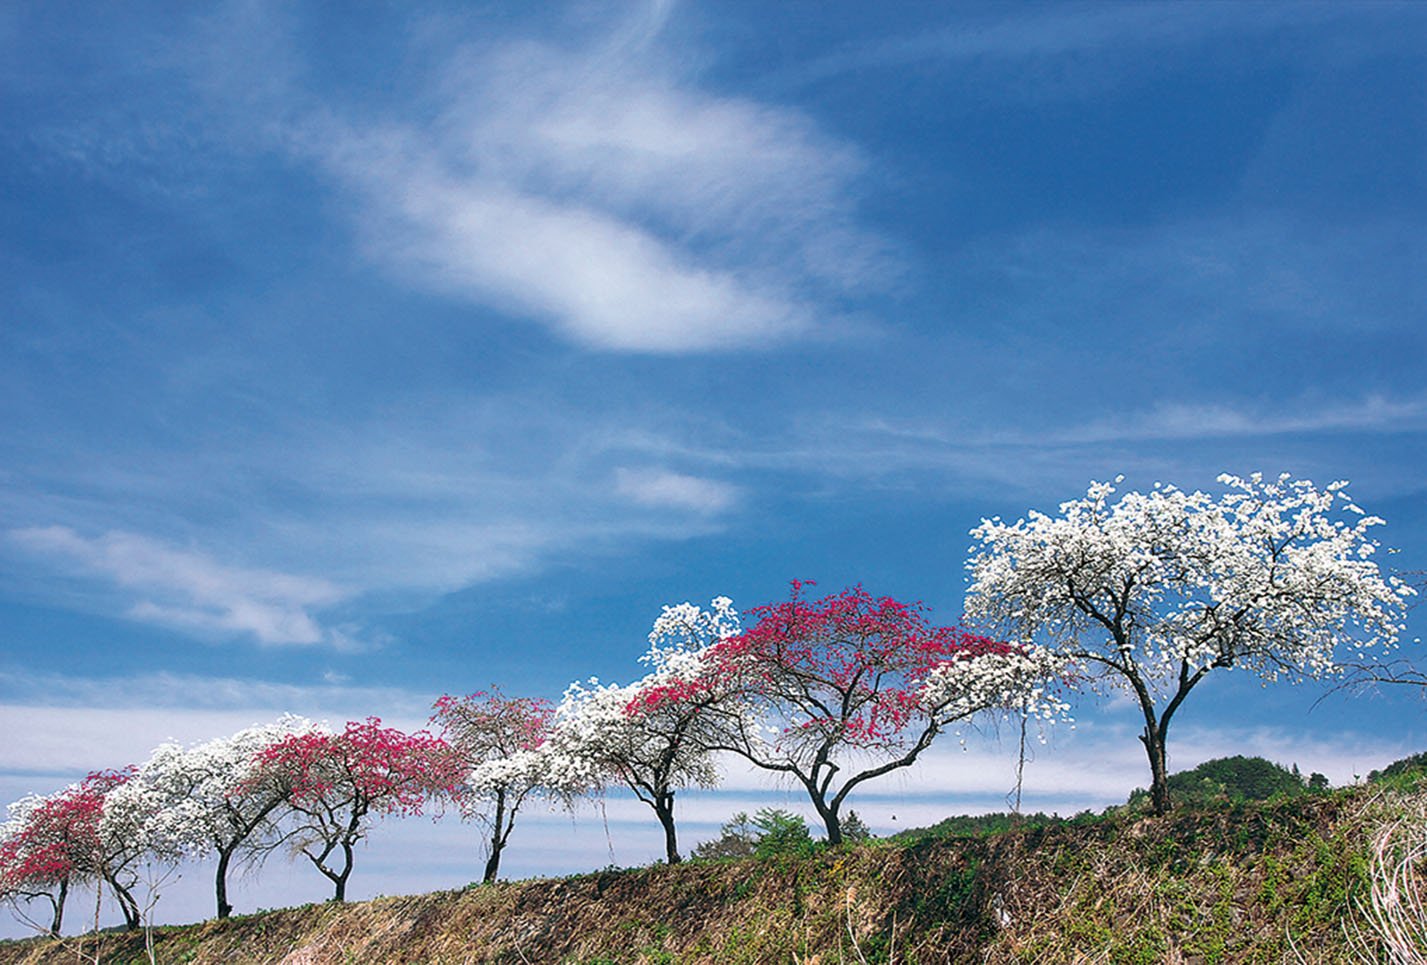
(350, 357)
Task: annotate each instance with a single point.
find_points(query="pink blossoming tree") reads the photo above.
(842, 690)
(45, 847)
(338, 782)
(49, 844)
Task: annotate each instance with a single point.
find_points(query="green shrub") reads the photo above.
(781, 833)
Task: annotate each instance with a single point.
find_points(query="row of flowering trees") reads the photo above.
(1148, 593)
(832, 693)
(287, 784)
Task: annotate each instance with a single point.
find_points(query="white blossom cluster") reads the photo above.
(521, 772)
(1021, 682)
(17, 814)
(687, 629)
(596, 739)
(1269, 576)
(608, 731)
(197, 800)
(597, 734)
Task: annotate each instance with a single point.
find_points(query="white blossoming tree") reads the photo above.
(211, 799)
(1150, 592)
(652, 735)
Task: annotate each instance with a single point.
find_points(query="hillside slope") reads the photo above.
(1260, 883)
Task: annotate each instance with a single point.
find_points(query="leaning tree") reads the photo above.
(1151, 592)
(46, 845)
(653, 736)
(217, 797)
(836, 692)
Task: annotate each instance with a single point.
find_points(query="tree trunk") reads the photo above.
(220, 885)
(58, 921)
(492, 865)
(340, 880)
(127, 905)
(497, 841)
(1153, 739)
(830, 822)
(664, 808)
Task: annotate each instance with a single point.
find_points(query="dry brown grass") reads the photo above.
(1306, 878)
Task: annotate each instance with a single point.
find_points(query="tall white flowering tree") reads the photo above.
(1150, 592)
(652, 735)
(211, 799)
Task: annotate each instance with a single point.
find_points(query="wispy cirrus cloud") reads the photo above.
(1373, 413)
(1035, 453)
(1177, 421)
(602, 194)
(190, 590)
(404, 507)
(1066, 35)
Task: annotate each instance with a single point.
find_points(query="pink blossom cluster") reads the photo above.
(366, 767)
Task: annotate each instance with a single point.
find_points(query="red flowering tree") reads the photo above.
(856, 686)
(46, 844)
(339, 781)
(52, 843)
(497, 741)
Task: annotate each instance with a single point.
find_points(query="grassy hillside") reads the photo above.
(1252, 882)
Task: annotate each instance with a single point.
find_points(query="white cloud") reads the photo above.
(603, 281)
(1198, 421)
(190, 590)
(599, 193)
(71, 725)
(674, 490)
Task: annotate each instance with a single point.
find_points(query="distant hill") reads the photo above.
(1409, 765)
(1235, 780)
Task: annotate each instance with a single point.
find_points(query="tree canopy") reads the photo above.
(1151, 592)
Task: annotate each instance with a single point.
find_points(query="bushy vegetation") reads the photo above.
(770, 833)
